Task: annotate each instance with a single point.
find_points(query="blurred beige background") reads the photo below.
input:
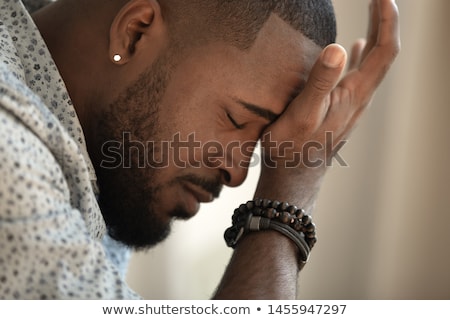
(383, 222)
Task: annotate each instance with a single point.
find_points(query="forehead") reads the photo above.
(278, 43)
(269, 74)
(279, 62)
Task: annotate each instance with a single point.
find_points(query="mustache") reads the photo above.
(213, 186)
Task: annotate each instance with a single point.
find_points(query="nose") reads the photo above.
(237, 159)
(233, 177)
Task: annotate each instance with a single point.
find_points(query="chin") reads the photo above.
(140, 236)
(137, 227)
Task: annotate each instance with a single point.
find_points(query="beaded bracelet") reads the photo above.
(264, 214)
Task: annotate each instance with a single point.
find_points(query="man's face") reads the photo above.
(176, 135)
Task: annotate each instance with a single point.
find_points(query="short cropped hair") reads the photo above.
(238, 22)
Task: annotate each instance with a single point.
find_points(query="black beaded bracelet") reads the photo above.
(264, 214)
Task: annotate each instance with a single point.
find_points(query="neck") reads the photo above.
(77, 42)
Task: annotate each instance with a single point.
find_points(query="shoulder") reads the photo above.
(32, 180)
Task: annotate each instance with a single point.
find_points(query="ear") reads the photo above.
(138, 21)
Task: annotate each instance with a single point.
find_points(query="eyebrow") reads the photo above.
(259, 111)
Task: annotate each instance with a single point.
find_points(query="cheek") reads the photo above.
(187, 132)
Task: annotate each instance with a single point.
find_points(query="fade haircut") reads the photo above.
(238, 22)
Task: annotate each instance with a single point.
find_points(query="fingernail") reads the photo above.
(333, 57)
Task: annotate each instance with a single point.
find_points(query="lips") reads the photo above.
(198, 192)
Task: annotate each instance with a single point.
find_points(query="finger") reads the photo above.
(322, 80)
(388, 27)
(374, 67)
(372, 31)
(356, 54)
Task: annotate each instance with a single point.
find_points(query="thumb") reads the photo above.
(325, 74)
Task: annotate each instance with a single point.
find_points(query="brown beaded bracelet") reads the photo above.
(264, 214)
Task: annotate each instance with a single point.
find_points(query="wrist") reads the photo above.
(262, 215)
(299, 186)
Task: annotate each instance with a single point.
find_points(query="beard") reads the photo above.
(129, 191)
(126, 191)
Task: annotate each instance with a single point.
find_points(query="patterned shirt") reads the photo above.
(52, 233)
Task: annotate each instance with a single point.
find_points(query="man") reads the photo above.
(132, 112)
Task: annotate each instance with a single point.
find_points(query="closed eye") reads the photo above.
(235, 124)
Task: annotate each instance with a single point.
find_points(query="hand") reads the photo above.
(325, 113)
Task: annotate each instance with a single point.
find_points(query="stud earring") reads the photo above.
(117, 58)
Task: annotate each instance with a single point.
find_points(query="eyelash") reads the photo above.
(234, 123)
